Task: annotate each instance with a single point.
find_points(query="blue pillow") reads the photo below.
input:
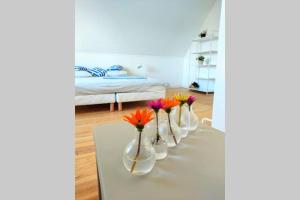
(115, 68)
(80, 68)
(97, 71)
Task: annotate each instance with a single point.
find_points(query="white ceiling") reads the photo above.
(148, 27)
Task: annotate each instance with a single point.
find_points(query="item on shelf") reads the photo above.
(139, 155)
(158, 143)
(173, 133)
(189, 120)
(200, 59)
(194, 85)
(206, 61)
(203, 34)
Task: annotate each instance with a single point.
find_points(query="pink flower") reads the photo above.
(155, 105)
(191, 100)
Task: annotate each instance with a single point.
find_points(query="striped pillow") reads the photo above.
(80, 68)
(97, 71)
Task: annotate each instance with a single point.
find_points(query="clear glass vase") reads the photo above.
(182, 124)
(154, 129)
(188, 119)
(139, 155)
(160, 147)
(171, 133)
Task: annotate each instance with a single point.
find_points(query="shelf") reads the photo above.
(203, 78)
(203, 74)
(205, 52)
(205, 66)
(206, 39)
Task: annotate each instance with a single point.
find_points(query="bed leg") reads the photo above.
(112, 107)
(120, 106)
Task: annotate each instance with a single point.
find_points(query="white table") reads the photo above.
(194, 170)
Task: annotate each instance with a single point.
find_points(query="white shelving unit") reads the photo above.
(204, 74)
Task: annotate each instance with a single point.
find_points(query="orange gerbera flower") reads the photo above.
(168, 104)
(140, 118)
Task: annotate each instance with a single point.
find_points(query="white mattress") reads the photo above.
(98, 85)
(94, 99)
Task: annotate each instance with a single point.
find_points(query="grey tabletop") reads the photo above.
(193, 170)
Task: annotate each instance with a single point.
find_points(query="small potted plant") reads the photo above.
(203, 34)
(200, 59)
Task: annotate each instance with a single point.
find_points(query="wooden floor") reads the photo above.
(87, 117)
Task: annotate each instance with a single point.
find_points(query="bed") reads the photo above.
(100, 90)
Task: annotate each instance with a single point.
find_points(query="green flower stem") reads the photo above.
(138, 151)
(171, 129)
(157, 130)
(179, 120)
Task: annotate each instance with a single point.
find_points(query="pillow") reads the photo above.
(115, 73)
(81, 74)
(80, 68)
(97, 71)
(115, 68)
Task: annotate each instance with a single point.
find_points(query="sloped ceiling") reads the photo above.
(146, 27)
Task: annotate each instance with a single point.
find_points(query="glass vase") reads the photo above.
(154, 130)
(139, 155)
(171, 133)
(182, 123)
(188, 119)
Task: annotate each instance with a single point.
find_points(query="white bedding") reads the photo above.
(99, 85)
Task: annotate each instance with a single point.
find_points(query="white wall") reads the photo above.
(165, 68)
(212, 21)
(186, 71)
(143, 27)
(218, 118)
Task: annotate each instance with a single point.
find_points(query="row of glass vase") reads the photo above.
(163, 132)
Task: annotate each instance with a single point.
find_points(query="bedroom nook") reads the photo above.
(143, 67)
